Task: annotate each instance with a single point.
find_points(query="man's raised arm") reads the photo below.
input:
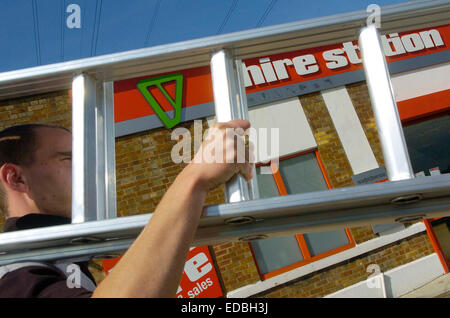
(153, 265)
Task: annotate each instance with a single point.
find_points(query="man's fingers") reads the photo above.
(229, 148)
(246, 170)
(237, 123)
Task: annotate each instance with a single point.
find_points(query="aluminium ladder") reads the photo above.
(96, 232)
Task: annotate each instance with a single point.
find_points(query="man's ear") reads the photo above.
(12, 177)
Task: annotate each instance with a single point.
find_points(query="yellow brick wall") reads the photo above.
(51, 108)
(235, 264)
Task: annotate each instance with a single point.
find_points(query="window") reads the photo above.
(298, 173)
(428, 144)
(441, 228)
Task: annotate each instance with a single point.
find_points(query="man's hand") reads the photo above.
(153, 265)
(223, 154)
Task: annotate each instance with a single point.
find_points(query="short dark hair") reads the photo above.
(18, 145)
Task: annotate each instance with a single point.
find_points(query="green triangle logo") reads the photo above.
(143, 87)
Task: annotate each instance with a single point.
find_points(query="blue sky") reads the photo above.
(35, 32)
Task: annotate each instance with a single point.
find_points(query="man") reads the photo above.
(35, 190)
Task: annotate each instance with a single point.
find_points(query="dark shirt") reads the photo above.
(36, 281)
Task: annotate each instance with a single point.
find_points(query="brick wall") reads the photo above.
(51, 108)
(235, 264)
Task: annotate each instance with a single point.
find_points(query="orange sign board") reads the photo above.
(129, 102)
(199, 279)
(303, 65)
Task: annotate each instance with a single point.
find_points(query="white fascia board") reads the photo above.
(420, 82)
(349, 129)
(288, 118)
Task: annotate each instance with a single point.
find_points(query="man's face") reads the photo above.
(50, 175)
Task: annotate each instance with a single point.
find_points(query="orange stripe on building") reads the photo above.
(424, 105)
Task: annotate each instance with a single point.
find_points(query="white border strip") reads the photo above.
(349, 128)
(360, 249)
(399, 281)
(424, 81)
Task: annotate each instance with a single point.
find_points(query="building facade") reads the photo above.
(318, 101)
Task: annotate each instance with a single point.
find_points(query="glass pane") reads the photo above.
(322, 242)
(442, 232)
(429, 144)
(266, 184)
(277, 252)
(302, 174)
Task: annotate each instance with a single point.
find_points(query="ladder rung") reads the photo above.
(390, 131)
(228, 105)
(428, 197)
(93, 147)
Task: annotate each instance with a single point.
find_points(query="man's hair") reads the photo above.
(18, 145)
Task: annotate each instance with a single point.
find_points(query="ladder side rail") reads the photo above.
(103, 250)
(320, 221)
(390, 131)
(365, 204)
(317, 221)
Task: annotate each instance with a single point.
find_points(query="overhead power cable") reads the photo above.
(266, 13)
(36, 32)
(98, 15)
(227, 17)
(152, 23)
